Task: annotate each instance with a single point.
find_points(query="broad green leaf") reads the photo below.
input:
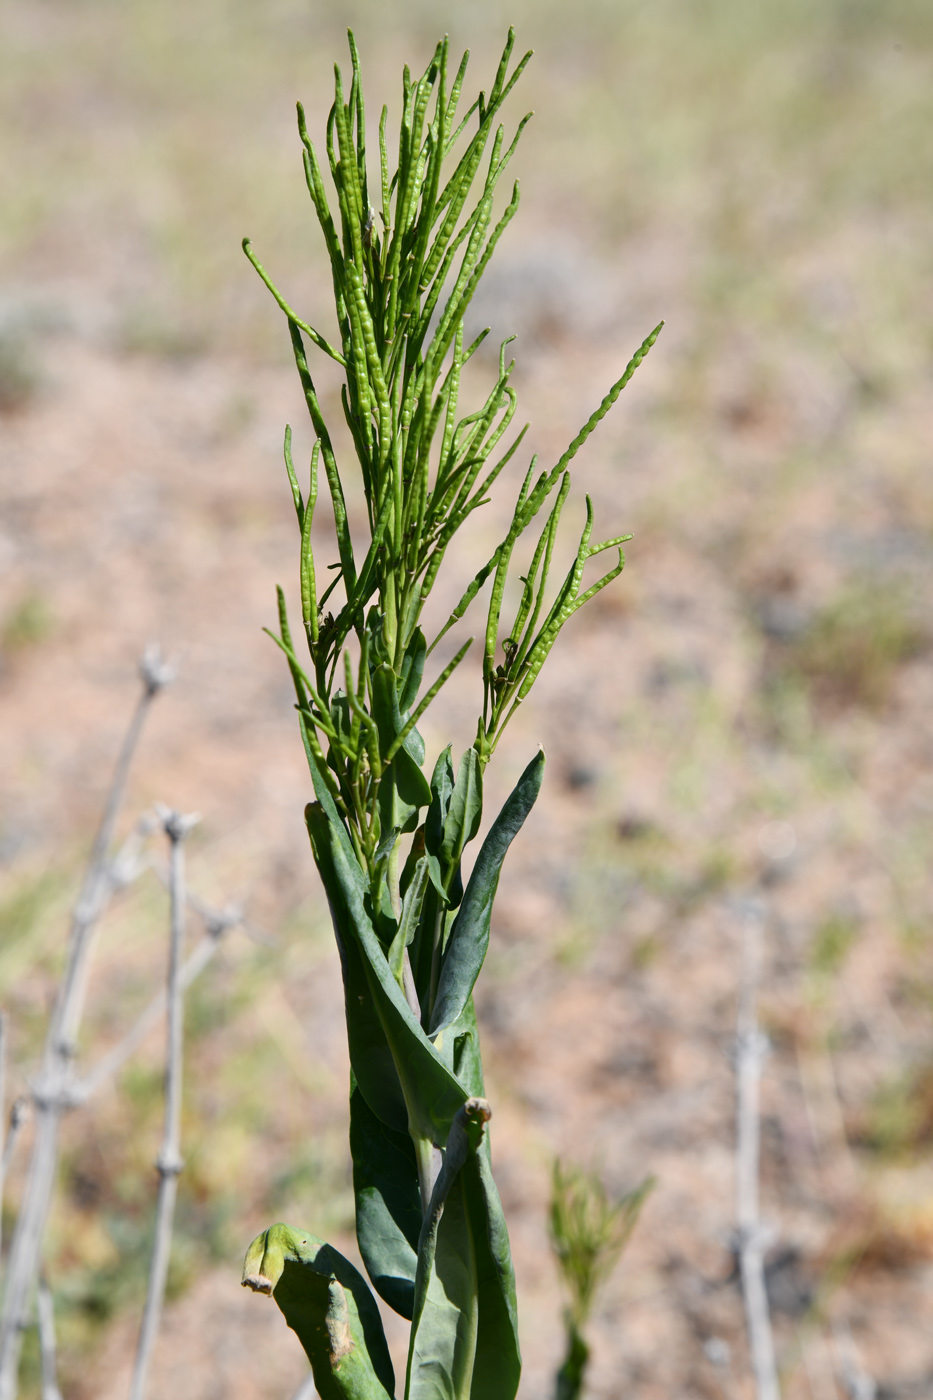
(469, 937)
(328, 1305)
(388, 1204)
(434, 919)
(443, 1346)
(323, 794)
(498, 1362)
(385, 1177)
(370, 1054)
(431, 1094)
(464, 1343)
(443, 1332)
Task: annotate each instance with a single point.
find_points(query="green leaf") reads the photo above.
(377, 1013)
(445, 1315)
(442, 786)
(328, 1305)
(453, 818)
(461, 823)
(498, 1362)
(463, 1038)
(417, 853)
(412, 669)
(370, 1053)
(408, 923)
(469, 937)
(319, 773)
(404, 789)
(385, 1179)
(388, 1204)
(464, 1342)
(443, 1339)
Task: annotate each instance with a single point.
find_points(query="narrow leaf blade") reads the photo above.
(469, 937)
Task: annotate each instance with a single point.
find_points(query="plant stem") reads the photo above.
(169, 1161)
(858, 1383)
(45, 1310)
(751, 1049)
(570, 1375)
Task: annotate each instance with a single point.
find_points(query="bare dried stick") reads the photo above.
(99, 882)
(45, 1310)
(50, 1094)
(219, 922)
(19, 1117)
(169, 1162)
(858, 1383)
(19, 1112)
(751, 1049)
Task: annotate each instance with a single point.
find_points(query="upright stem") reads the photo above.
(45, 1309)
(858, 1383)
(97, 881)
(169, 1162)
(751, 1049)
(570, 1376)
(50, 1095)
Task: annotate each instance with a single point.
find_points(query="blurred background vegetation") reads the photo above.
(140, 141)
(758, 174)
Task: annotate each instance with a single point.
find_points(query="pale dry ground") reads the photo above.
(706, 741)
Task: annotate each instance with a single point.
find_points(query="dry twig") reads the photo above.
(19, 1117)
(169, 1162)
(50, 1094)
(859, 1385)
(45, 1309)
(751, 1049)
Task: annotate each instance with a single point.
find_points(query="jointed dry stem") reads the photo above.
(169, 1162)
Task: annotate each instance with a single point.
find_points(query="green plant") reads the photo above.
(588, 1234)
(388, 840)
